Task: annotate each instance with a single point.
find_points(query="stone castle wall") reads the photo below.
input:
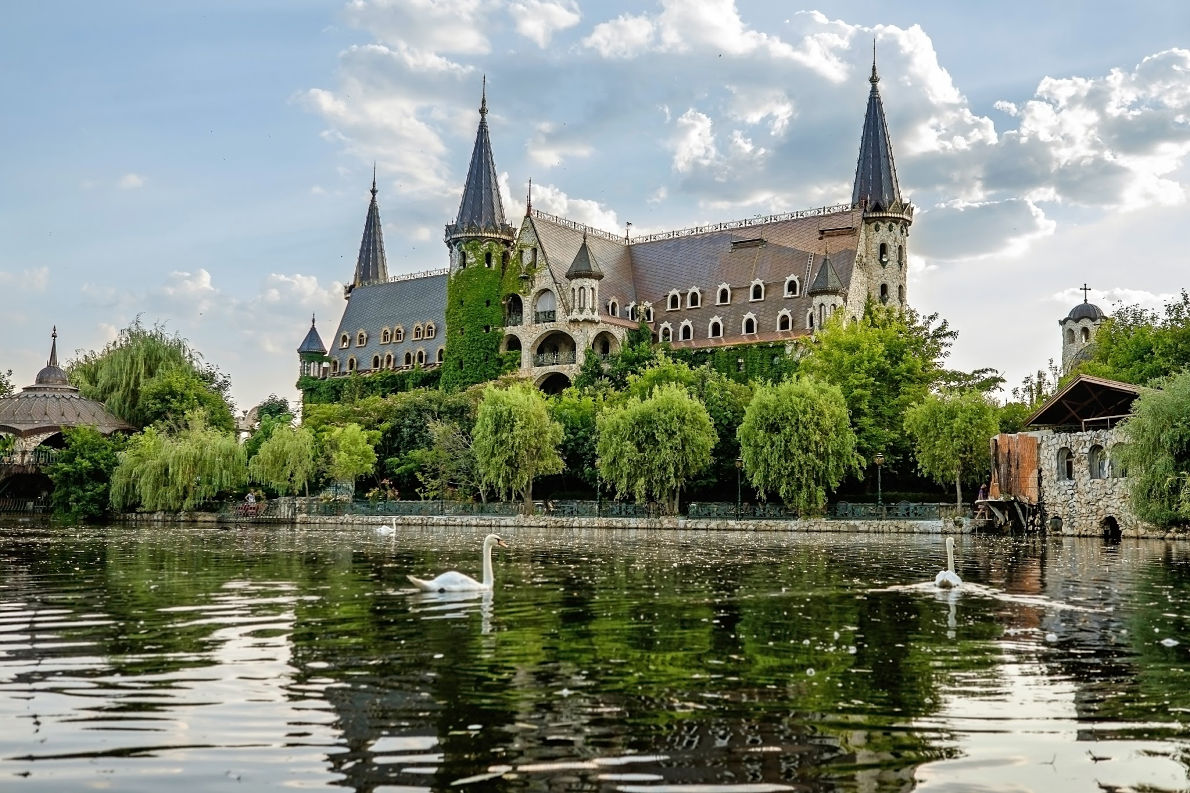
(1085, 503)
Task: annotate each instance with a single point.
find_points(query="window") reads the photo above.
(675, 301)
(421, 357)
(687, 332)
(361, 339)
(334, 366)
(630, 312)
(1065, 465)
(1070, 335)
(883, 253)
(430, 330)
(784, 321)
(1085, 333)
(375, 361)
(666, 333)
(385, 336)
(388, 361)
(441, 354)
(351, 363)
(1097, 462)
(693, 298)
(648, 313)
(810, 319)
(792, 287)
(416, 332)
(749, 325)
(398, 333)
(900, 256)
(408, 360)
(884, 293)
(757, 290)
(345, 340)
(715, 329)
(487, 260)
(901, 294)
(613, 308)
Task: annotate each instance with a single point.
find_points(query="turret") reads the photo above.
(312, 360)
(371, 266)
(827, 294)
(1078, 331)
(584, 276)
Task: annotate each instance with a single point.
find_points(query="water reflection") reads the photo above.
(602, 660)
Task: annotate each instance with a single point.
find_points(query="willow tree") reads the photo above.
(350, 453)
(148, 375)
(286, 461)
(1155, 454)
(651, 448)
(171, 471)
(950, 434)
(515, 440)
(796, 441)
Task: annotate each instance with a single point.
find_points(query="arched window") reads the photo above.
(648, 313)
(793, 287)
(724, 296)
(408, 360)
(900, 256)
(1097, 462)
(334, 366)
(1070, 335)
(487, 259)
(398, 333)
(345, 341)
(666, 333)
(1085, 333)
(613, 308)
(687, 332)
(749, 324)
(810, 319)
(901, 294)
(757, 290)
(546, 307)
(375, 361)
(675, 301)
(884, 293)
(388, 361)
(693, 298)
(421, 357)
(351, 363)
(361, 338)
(883, 253)
(441, 354)
(1065, 465)
(430, 330)
(385, 336)
(715, 329)
(630, 312)
(582, 298)
(784, 321)
(416, 332)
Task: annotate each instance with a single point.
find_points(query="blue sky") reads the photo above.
(207, 165)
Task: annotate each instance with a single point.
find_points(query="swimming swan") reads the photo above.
(453, 581)
(947, 579)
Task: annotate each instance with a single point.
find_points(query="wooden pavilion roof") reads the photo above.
(1083, 399)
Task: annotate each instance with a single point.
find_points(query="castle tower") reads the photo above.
(479, 244)
(827, 295)
(584, 276)
(884, 239)
(371, 266)
(312, 360)
(1078, 331)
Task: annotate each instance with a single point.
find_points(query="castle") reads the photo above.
(542, 297)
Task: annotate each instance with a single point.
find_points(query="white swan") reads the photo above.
(947, 579)
(384, 528)
(453, 581)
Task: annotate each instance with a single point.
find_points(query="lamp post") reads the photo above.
(739, 466)
(879, 460)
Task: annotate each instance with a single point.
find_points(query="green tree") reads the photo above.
(160, 470)
(636, 355)
(287, 460)
(796, 440)
(448, 467)
(1156, 452)
(651, 448)
(515, 441)
(147, 375)
(1137, 345)
(951, 433)
(575, 411)
(82, 473)
(884, 363)
(272, 406)
(350, 453)
(264, 430)
(5, 383)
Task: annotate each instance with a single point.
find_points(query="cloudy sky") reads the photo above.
(206, 165)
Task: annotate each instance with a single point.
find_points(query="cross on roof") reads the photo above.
(1085, 289)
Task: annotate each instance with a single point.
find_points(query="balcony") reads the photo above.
(512, 320)
(553, 358)
(545, 316)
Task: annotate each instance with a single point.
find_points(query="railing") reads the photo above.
(40, 504)
(745, 223)
(392, 279)
(554, 358)
(36, 457)
(512, 320)
(746, 511)
(544, 316)
(901, 510)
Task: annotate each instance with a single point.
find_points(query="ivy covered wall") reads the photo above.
(761, 362)
(316, 391)
(475, 314)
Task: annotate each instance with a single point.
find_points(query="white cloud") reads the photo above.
(539, 20)
(131, 181)
(549, 198)
(694, 144)
(626, 36)
(451, 26)
(550, 145)
(33, 279)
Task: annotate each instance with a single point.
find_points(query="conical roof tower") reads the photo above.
(481, 212)
(371, 267)
(876, 185)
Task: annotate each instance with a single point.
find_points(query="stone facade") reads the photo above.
(1080, 484)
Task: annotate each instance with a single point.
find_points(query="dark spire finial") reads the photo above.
(875, 78)
(529, 198)
(483, 102)
(1085, 290)
(54, 347)
(373, 178)
(311, 319)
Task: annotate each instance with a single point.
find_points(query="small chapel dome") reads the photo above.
(1086, 310)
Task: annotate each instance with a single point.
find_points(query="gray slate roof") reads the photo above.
(481, 208)
(584, 264)
(406, 302)
(875, 174)
(313, 342)
(371, 266)
(1086, 310)
(827, 281)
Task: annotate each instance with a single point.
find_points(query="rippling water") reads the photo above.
(667, 662)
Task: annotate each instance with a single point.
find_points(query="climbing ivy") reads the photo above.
(746, 363)
(355, 386)
(475, 316)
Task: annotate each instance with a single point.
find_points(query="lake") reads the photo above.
(194, 658)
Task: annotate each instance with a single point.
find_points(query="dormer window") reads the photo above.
(430, 330)
(715, 329)
(749, 324)
(757, 292)
(351, 363)
(675, 301)
(416, 332)
(687, 331)
(648, 312)
(344, 342)
(723, 297)
(375, 361)
(408, 360)
(693, 298)
(385, 336)
(361, 339)
(421, 357)
(388, 361)
(793, 287)
(613, 308)
(666, 333)
(441, 354)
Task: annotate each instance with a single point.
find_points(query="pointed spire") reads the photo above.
(876, 185)
(52, 375)
(827, 281)
(54, 347)
(529, 199)
(371, 267)
(313, 342)
(481, 211)
(584, 264)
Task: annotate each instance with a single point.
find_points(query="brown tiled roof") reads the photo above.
(561, 239)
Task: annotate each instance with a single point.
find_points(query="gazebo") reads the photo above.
(34, 419)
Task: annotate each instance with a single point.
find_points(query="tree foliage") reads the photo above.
(171, 471)
(448, 467)
(1156, 452)
(82, 473)
(5, 382)
(515, 441)
(951, 432)
(350, 452)
(575, 412)
(287, 460)
(1137, 345)
(796, 441)
(651, 448)
(148, 375)
(634, 356)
